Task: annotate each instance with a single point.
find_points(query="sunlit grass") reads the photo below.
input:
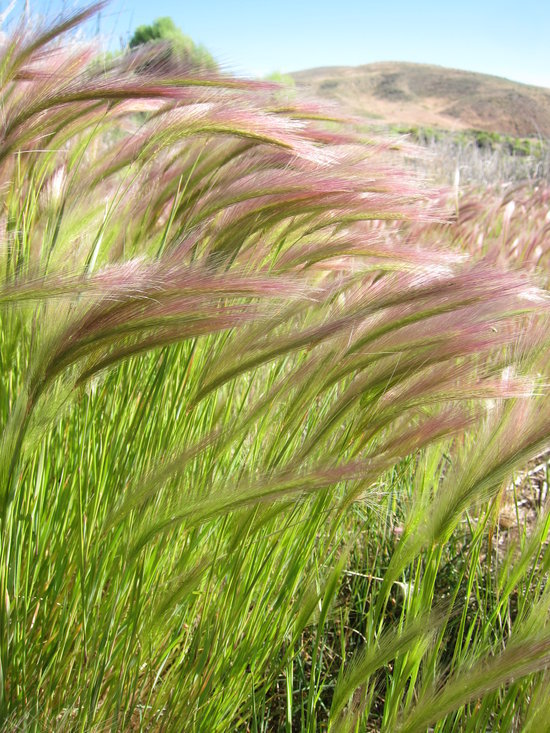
(259, 412)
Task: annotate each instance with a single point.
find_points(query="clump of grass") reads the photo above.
(215, 354)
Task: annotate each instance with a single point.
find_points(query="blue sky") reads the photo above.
(508, 39)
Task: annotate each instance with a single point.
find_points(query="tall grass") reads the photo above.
(250, 393)
(481, 159)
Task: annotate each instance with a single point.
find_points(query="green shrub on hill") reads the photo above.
(173, 44)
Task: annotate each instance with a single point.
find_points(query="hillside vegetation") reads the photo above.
(426, 95)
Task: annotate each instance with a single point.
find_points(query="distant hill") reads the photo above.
(420, 94)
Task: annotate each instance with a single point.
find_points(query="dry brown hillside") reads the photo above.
(425, 95)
